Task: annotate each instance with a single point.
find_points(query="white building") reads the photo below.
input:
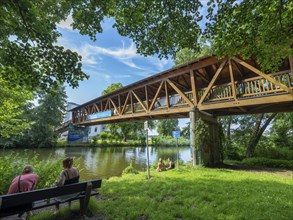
(93, 130)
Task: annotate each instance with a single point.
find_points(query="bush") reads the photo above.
(130, 169)
(268, 163)
(12, 165)
(274, 153)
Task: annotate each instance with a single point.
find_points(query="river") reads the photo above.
(106, 162)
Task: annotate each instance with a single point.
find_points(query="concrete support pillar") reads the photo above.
(196, 160)
(210, 152)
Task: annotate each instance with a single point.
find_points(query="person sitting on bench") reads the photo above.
(24, 182)
(69, 175)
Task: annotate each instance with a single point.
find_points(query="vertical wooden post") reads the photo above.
(85, 201)
(146, 97)
(167, 95)
(193, 86)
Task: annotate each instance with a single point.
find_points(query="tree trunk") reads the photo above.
(257, 133)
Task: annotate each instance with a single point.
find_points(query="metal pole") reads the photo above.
(148, 156)
(177, 153)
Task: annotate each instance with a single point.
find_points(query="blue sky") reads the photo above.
(110, 59)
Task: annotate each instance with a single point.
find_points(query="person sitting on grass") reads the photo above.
(170, 165)
(161, 165)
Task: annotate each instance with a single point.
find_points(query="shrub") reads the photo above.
(274, 153)
(269, 163)
(12, 165)
(130, 169)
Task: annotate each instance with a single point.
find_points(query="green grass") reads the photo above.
(196, 193)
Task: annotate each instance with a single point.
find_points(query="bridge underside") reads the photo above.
(216, 87)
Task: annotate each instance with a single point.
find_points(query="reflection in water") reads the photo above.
(108, 161)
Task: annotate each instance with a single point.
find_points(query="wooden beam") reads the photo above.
(232, 81)
(115, 107)
(139, 100)
(119, 103)
(167, 95)
(156, 96)
(258, 72)
(146, 97)
(180, 93)
(193, 87)
(125, 103)
(213, 81)
(131, 102)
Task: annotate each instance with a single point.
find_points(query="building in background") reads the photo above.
(80, 134)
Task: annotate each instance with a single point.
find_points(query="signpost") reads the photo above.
(146, 128)
(176, 134)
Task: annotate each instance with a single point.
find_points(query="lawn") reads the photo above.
(196, 193)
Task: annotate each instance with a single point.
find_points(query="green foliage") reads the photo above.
(260, 29)
(130, 169)
(12, 165)
(47, 116)
(112, 88)
(168, 141)
(202, 131)
(274, 152)
(13, 105)
(29, 56)
(185, 55)
(167, 126)
(269, 163)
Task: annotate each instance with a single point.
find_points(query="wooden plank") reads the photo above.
(258, 72)
(193, 87)
(212, 81)
(180, 93)
(131, 101)
(119, 103)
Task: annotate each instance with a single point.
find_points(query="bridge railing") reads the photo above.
(253, 87)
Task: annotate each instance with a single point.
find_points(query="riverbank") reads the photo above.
(194, 193)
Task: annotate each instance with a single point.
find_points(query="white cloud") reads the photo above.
(66, 24)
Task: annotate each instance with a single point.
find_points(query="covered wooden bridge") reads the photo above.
(207, 87)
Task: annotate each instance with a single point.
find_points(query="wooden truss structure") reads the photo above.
(214, 86)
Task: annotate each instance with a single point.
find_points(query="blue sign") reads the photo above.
(97, 115)
(176, 134)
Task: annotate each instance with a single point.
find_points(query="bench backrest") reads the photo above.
(16, 199)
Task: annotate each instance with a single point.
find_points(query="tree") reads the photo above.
(13, 103)
(29, 56)
(281, 131)
(112, 88)
(166, 126)
(187, 54)
(47, 116)
(261, 29)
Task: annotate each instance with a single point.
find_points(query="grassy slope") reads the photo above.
(191, 193)
(200, 193)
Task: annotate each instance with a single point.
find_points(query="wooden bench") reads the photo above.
(21, 202)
